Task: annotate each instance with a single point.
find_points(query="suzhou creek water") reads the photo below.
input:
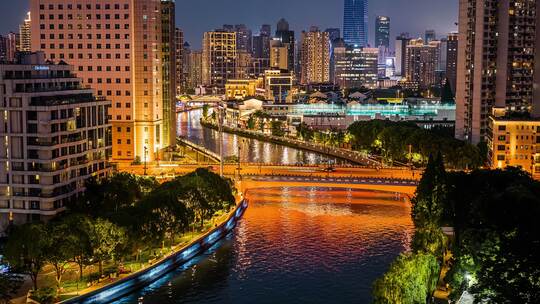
(293, 245)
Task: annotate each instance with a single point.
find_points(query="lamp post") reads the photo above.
(220, 128)
(145, 155)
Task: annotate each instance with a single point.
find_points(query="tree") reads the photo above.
(60, 251)
(410, 280)
(105, 239)
(78, 240)
(251, 123)
(205, 111)
(277, 128)
(9, 285)
(26, 249)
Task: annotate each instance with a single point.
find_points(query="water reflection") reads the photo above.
(297, 245)
(251, 150)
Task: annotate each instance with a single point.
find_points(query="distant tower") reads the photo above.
(430, 36)
(286, 36)
(355, 22)
(382, 32)
(25, 42)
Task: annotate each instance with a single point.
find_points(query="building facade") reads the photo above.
(451, 60)
(278, 85)
(421, 62)
(118, 48)
(279, 55)
(55, 134)
(194, 77)
(356, 67)
(355, 23)
(25, 34)
(180, 61)
(219, 55)
(402, 41)
(513, 142)
(382, 32)
(286, 36)
(498, 62)
(315, 57)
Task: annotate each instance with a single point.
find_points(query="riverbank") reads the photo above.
(340, 153)
(181, 254)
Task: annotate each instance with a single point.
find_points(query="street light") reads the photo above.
(145, 155)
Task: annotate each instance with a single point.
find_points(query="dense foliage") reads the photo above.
(412, 277)
(495, 214)
(116, 219)
(409, 280)
(392, 141)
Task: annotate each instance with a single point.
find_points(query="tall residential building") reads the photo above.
(334, 33)
(315, 57)
(118, 48)
(452, 60)
(355, 22)
(180, 60)
(285, 35)
(382, 31)
(194, 78)
(356, 67)
(430, 35)
(261, 48)
(168, 72)
(266, 30)
(13, 43)
(498, 62)
(244, 38)
(279, 55)
(55, 134)
(3, 49)
(219, 58)
(402, 41)
(421, 62)
(25, 34)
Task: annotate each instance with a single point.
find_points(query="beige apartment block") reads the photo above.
(124, 49)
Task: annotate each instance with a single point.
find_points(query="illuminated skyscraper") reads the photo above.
(421, 62)
(25, 34)
(315, 57)
(382, 31)
(356, 67)
(119, 49)
(219, 56)
(355, 23)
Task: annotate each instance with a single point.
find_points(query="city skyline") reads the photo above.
(439, 15)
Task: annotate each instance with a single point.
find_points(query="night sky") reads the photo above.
(198, 16)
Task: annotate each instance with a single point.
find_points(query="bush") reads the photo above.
(410, 279)
(44, 295)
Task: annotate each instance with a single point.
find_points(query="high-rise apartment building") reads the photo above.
(55, 134)
(421, 62)
(285, 35)
(118, 48)
(382, 31)
(180, 77)
(279, 55)
(498, 62)
(356, 67)
(194, 78)
(244, 38)
(355, 23)
(25, 34)
(402, 41)
(452, 59)
(315, 57)
(219, 58)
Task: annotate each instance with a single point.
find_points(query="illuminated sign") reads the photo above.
(41, 68)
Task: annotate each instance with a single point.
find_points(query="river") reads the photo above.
(294, 245)
(251, 150)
